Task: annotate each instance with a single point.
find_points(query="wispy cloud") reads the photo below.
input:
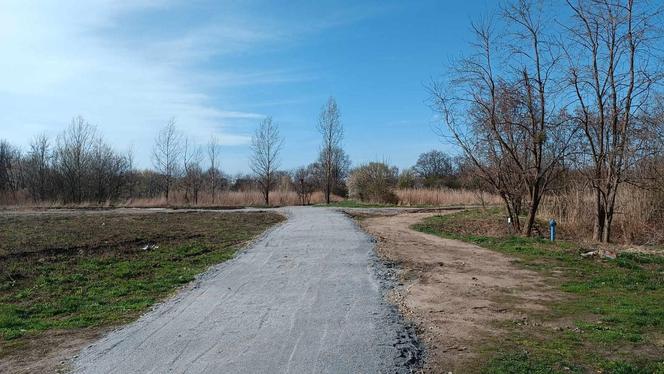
(128, 66)
(60, 62)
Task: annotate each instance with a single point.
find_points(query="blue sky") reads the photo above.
(218, 67)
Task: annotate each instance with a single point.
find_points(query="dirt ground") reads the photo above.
(456, 293)
(48, 353)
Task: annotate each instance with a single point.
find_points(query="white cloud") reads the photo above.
(57, 62)
(122, 66)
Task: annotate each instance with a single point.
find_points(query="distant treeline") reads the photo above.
(79, 166)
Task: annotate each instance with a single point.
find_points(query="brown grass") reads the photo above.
(232, 198)
(444, 196)
(179, 199)
(406, 197)
(638, 218)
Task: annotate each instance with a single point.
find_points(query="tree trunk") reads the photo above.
(535, 197)
(167, 188)
(606, 233)
(328, 191)
(609, 209)
(600, 215)
(213, 192)
(512, 214)
(532, 212)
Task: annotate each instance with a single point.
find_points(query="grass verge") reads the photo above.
(85, 270)
(355, 204)
(611, 319)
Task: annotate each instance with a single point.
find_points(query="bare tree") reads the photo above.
(131, 173)
(166, 154)
(337, 174)
(614, 68)
(39, 162)
(374, 182)
(265, 146)
(11, 176)
(434, 167)
(105, 172)
(193, 174)
(73, 149)
(117, 175)
(332, 131)
(305, 182)
(505, 120)
(213, 151)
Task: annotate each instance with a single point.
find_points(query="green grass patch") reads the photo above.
(612, 318)
(350, 203)
(71, 271)
(355, 204)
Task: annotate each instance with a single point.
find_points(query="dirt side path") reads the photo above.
(454, 291)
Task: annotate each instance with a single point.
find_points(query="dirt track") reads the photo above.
(454, 291)
(307, 297)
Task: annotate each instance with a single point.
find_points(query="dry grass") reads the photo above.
(179, 199)
(444, 196)
(20, 198)
(638, 219)
(231, 199)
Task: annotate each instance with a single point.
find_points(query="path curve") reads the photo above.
(305, 298)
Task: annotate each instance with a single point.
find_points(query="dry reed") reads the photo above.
(444, 196)
(638, 218)
(229, 199)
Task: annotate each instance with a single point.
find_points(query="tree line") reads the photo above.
(79, 166)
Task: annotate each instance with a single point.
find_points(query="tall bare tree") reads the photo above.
(73, 149)
(193, 174)
(266, 146)
(39, 163)
(305, 183)
(213, 151)
(166, 154)
(330, 127)
(101, 162)
(613, 67)
(132, 175)
(11, 175)
(505, 118)
(434, 168)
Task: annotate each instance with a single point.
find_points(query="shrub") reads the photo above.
(374, 182)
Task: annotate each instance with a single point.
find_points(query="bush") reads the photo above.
(374, 182)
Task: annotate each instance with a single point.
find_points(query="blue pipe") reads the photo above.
(552, 229)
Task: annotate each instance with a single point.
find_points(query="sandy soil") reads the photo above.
(455, 292)
(49, 353)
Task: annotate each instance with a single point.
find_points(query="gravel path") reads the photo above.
(306, 298)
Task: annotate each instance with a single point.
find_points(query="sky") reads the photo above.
(219, 67)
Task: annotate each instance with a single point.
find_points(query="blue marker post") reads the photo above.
(552, 229)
